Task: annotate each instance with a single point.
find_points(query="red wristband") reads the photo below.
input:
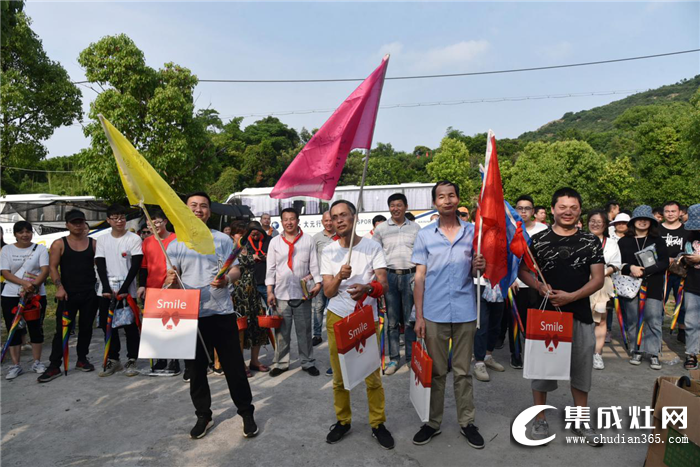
(377, 289)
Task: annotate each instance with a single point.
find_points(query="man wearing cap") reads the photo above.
(396, 236)
(691, 260)
(72, 269)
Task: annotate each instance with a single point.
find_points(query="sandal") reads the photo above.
(261, 368)
(248, 373)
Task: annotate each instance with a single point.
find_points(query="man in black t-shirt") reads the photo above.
(675, 235)
(692, 288)
(572, 264)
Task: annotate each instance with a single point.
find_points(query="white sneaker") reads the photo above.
(491, 363)
(15, 371)
(391, 368)
(480, 372)
(130, 369)
(38, 367)
(598, 362)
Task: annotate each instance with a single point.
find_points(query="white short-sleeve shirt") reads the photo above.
(22, 261)
(367, 256)
(117, 253)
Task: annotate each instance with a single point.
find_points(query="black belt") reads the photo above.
(401, 272)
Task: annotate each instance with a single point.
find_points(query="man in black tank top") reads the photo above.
(75, 283)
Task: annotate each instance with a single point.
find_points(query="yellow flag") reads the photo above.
(143, 185)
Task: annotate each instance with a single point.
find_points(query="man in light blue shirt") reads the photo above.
(445, 302)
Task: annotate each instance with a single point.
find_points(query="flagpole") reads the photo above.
(478, 274)
(152, 226)
(359, 205)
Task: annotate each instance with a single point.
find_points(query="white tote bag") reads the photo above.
(548, 345)
(358, 349)
(420, 380)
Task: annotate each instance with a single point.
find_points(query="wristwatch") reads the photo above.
(371, 290)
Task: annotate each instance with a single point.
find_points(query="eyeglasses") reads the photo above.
(117, 218)
(463, 214)
(595, 223)
(523, 208)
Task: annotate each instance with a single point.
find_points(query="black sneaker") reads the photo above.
(337, 432)
(186, 375)
(84, 365)
(250, 428)
(382, 435)
(471, 432)
(276, 372)
(516, 362)
(200, 429)
(50, 374)
(159, 365)
(218, 371)
(313, 371)
(173, 368)
(316, 341)
(425, 434)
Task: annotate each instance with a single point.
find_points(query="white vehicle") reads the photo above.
(311, 209)
(46, 213)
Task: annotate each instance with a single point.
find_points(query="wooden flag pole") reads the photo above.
(359, 206)
(152, 226)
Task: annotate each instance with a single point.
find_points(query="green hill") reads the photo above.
(600, 119)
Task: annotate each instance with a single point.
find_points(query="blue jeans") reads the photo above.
(486, 335)
(318, 305)
(692, 323)
(262, 290)
(653, 319)
(672, 285)
(399, 301)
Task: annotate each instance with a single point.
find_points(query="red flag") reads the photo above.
(519, 247)
(492, 214)
(315, 171)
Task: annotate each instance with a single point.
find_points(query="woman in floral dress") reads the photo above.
(246, 302)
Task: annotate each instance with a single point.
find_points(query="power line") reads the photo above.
(449, 75)
(485, 100)
(447, 103)
(42, 171)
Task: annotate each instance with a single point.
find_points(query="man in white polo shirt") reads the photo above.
(344, 284)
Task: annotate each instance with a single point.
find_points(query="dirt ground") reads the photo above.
(84, 420)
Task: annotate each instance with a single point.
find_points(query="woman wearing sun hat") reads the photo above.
(643, 236)
(618, 226)
(692, 288)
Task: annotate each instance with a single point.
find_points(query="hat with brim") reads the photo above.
(693, 222)
(75, 214)
(621, 218)
(642, 212)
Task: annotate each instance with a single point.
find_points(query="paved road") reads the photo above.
(83, 420)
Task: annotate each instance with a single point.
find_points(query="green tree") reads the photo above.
(37, 95)
(154, 109)
(451, 162)
(667, 156)
(543, 168)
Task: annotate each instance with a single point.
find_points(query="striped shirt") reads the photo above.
(397, 242)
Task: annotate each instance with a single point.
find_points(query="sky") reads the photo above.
(320, 40)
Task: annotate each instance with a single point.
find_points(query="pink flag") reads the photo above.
(315, 171)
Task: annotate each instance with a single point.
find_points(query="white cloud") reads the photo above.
(558, 51)
(448, 58)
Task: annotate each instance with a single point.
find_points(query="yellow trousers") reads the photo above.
(341, 396)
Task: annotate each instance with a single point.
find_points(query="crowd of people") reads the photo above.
(424, 278)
